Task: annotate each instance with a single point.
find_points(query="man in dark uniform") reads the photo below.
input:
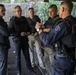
(53, 17)
(34, 38)
(63, 37)
(4, 42)
(49, 24)
(19, 28)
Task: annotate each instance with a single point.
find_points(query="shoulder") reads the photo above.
(23, 17)
(28, 18)
(61, 26)
(35, 16)
(12, 18)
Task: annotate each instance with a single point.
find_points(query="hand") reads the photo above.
(36, 34)
(22, 33)
(25, 33)
(32, 34)
(38, 25)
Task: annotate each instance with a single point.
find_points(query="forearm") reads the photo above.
(46, 29)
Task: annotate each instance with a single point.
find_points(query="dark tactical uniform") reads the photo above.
(35, 40)
(32, 23)
(63, 37)
(50, 23)
(4, 46)
(18, 25)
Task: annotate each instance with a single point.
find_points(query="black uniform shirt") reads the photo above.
(4, 33)
(50, 23)
(18, 25)
(32, 23)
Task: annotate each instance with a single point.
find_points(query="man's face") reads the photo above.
(52, 12)
(18, 12)
(2, 11)
(31, 12)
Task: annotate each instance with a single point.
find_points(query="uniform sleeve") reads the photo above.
(11, 26)
(54, 35)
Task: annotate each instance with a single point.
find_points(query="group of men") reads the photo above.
(58, 33)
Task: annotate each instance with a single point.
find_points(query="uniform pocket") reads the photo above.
(62, 63)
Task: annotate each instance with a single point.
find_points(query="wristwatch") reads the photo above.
(39, 29)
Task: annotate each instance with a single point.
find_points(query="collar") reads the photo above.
(68, 17)
(53, 18)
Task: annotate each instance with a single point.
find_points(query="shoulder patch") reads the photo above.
(57, 28)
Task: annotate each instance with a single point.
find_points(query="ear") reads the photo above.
(62, 9)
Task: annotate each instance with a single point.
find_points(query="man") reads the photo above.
(53, 18)
(4, 42)
(49, 24)
(63, 37)
(19, 28)
(34, 38)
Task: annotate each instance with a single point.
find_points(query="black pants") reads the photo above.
(3, 60)
(25, 49)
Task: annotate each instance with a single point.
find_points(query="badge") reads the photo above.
(57, 28)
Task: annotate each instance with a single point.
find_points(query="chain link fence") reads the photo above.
(10, 9)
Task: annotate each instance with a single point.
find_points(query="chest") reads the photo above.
(21, 25)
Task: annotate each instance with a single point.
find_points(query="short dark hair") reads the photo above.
(68, 3)
(1, 5)
(53, 6)
(31, 8)
(18, 6)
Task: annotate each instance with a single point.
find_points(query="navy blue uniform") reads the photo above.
(61, 34)
(18, 25)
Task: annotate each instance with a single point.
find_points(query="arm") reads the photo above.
(46, 29)
(53, 35)
(25, 33)
(12, 27)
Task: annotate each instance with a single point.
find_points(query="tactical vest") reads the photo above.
(70, 36)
